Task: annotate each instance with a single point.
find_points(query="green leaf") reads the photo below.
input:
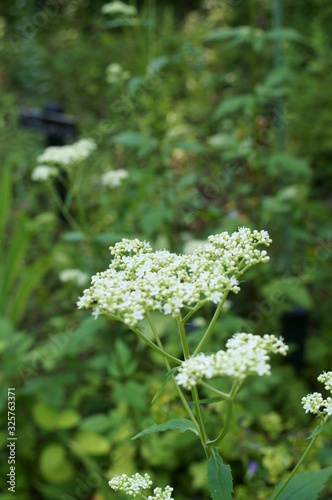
(239, 33)
(98, 423)
(169, 375)
(316, 431)
(157, 64)
(305, 486)
(244, 102)
(181, 424)
(288, 34)
(67, 419)
(54, 466)
(223, 141)
(219, 477)
(135, 140)
(92, 443)
(73, 236)
(191, 146)
(45, 416)
(287, 163)
(31, 277)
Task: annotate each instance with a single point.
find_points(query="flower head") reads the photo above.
(114, 178)
(74, 275)
(133, 485)
(139, 279)
(159, 494)
(43, 172)
(246, 354)
(116, 74)
(314, 402)
(67, 155)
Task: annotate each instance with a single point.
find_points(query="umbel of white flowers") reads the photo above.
(66, 155)
(139, 279)
(245, 355)
(315, 403)
(135, 484)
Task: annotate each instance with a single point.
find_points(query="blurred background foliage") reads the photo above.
(222, 119)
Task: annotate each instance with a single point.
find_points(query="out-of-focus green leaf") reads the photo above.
(181, 424)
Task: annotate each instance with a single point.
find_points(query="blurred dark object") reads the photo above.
(295, 331)
(57, 127)
(52, 122)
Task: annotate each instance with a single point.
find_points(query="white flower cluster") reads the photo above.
(43, 172)
(139, 279)
(326, 378)
(118, 8)
(116, 74)
(314, 402)
(114, 178)
(67, 155)
(75, 276)
(135, 484)
(246, 354)
(159, 494)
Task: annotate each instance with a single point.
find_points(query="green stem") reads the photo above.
(194, 390)
(168, 366)
(211, 325)
(199, 416)
(223, 433)
(64, 210)
(183, 338)
(211, 388)
(310, 445)
(192, 311)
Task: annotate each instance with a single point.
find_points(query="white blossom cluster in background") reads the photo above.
(63, 156)
(115, 73)
(117, 8)
(114, 178)
(314, 402)
(44, 172)
(135, 484)
(246, 354)
(139, 279)
(75, 276)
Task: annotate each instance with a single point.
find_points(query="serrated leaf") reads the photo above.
(181, 424)
(219, 477)
(305, 486)
(168, 378)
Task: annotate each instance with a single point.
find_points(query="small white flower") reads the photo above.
(44, 172)
(114, 178)
(74, 275)
(116, 74)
